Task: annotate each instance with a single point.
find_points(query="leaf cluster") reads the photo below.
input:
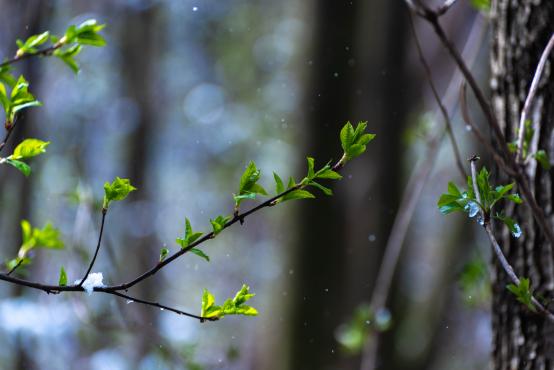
(456, 200)
(233, 306)
(354, 141)
(48, 238)
(119, 189)
(28, 148)
(18, 99)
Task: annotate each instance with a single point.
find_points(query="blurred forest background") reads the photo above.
(183, 96)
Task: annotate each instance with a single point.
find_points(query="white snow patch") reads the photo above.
(94, 280)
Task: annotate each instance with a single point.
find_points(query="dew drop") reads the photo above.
(194, 8)
(371, 238)
(516, 232)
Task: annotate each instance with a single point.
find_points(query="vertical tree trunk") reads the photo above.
(521, 30)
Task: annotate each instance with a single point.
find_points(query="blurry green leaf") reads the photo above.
(279, 186)
(329, 174)
(481, 5)
(164, 252)
(311, 163)
(63, 277)
(474, 282)
(21, 166)
(324, 189)
(297, 194)
(30, 45)
(522, 291)
(119, 189)
(542, 157)
(29, 148)
(199, 253)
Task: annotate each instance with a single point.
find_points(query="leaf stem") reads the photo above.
(104, 213)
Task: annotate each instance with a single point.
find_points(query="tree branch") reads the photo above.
(496, 247)
(104, 212)
(39, 53)
(530, 96)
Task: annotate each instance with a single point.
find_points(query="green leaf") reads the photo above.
(279, 186)
(30, 45)
(219, 223)
(297, 194)
(324, 189)
(67, 55)
(164, 252)
(48, 237)
(311, 163)
(248, 184)
(346, 136)
(119, 189)
(87, 33)
(514, 198)
(190, 236)
(481, 5)
(63, 277)
(21, 166)
(199, 253)
(329, 174)
(29, 148)
(522, 291)
(233, 306)
(514, 227)
(542, 157)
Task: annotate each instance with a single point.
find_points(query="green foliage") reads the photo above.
(523, 293)
(295, 194)
(353, 335)
(30, 45)
(163, 253)
(201, 254)
(48, 237)
(219, 223)
(190, 237)
(68, 54)
(26, 149)
(119, 189)
(20, 98)
(63, 277)
(233, 306)
(512, 225)
(354, 141)
(87, 33)
(474, 282)
(249, 186)
(542, 157)
(481, 5)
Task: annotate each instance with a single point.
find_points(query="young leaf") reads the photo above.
(324, 189)
(201, 254)
(219, 223)
(209, 309)
(279, 186)
(354, 141)
(515, 229)
(233, 306)
(522, 291)
(190, 236)
(298, 194)
(30, 45)
(63, 277)
(163, 253)
(119, 189)
(29, 148)
(248, 184)
(542, 157)
(21, 166)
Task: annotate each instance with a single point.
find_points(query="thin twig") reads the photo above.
(156, 304)
(445, 7)
(15, 267)
(442, 108)
(9, 131)
(39, 53)
(496, 247)
(530, 96)
(104, 212)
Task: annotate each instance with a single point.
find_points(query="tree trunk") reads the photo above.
(521, 30)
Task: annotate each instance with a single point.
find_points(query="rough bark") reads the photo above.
(521, 29)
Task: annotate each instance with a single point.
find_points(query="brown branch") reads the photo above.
(442, 108)
(530, 96)
(496, 247)
(104, 212)
(9, 131)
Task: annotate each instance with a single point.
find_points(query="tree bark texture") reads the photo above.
(521, 30)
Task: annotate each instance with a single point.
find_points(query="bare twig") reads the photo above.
(104, 212)
(530, 96)
(496, 247)
(442, 108)
(9, 131)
